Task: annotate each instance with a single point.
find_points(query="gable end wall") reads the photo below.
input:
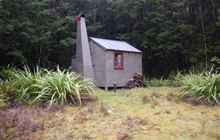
(99, 64)
(132, 64)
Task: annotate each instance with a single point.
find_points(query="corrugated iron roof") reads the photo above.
(115, 45)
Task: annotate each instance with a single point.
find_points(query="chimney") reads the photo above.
(83, 61)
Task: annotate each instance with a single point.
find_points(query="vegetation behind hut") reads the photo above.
(173, 35)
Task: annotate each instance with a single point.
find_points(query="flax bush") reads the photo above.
(19, 84)
(61, 87)
(203, 86)
(44, 87)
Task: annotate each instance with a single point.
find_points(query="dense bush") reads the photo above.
(44, 87)
(216, 64)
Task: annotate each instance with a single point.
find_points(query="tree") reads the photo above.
(170, 33)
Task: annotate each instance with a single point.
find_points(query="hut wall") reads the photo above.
(99, 64)
(132, 64)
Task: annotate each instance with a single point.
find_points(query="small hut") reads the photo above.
(107, 62)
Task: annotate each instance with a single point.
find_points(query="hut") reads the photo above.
(106, 62)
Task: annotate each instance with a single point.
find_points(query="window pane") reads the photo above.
(118, 60)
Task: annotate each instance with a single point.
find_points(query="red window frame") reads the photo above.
(78, 18)
(119, 67)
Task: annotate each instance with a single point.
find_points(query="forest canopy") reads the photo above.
(173, 34)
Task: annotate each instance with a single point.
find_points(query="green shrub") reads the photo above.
(43, 86)
(216, 64)
(7, 73)
(19, 84)
(205, 86)
(202, 86)
(177, 79)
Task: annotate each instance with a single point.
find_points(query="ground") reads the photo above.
(142, 113)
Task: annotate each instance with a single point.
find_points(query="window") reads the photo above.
(118, 60)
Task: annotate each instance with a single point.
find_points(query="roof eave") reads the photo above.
(123, 51)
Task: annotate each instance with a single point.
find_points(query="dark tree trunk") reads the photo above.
(203, 34)
(94, 11)
(213, 10)
(39, 56)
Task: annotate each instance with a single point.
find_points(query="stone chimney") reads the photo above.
(82, 64)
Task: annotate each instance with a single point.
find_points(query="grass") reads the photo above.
(21, 122)
(2, 99)
(141, 113)
(156, 112)
(2, 96)
(155, 82)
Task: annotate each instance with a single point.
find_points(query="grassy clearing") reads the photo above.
(142, 113)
